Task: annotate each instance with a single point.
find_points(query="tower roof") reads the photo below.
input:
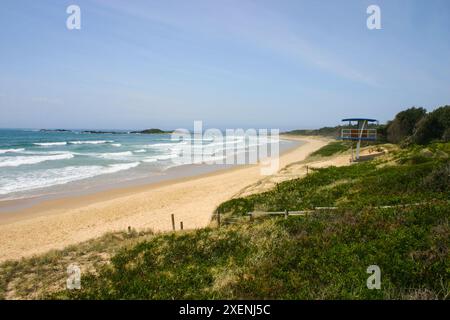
(360, 119)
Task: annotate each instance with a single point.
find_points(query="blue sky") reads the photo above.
(231, 63)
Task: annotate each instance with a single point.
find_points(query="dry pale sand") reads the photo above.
(55, 224)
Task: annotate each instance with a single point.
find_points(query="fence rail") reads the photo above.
(290, 213)
(224, 220)
(305, 212)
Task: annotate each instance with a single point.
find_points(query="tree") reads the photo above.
(404, 124)
(434, 126)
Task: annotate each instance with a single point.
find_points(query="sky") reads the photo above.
(230, 63)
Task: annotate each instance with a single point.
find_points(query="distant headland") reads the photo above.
(152, 131)
(146, 131)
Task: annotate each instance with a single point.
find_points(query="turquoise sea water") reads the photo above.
(35, 163)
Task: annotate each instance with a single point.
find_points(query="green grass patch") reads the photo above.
(331, 149)
(373, 183)
(31, 278)
(323, 256)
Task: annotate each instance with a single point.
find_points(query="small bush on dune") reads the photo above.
(438, 180)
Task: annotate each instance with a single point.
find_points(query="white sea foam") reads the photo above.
(22, 160)
(54, 152)
(114, 155)
(120, 167)
(167, 157)
(51, 177)
(160, 157)
(162, 145)
(91, 142)
(49, 144)
(11, 150)
(116, 144)
(140, 151)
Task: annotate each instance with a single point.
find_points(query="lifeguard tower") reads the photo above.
(358, 130)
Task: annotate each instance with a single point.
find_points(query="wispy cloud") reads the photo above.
(273, 31)
(247, 22)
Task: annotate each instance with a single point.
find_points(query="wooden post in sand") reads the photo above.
(307, 169)
(173, 222)
(181, 225)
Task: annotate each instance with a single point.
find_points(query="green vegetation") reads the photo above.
(331, 149)
(434, 126)
(33, 277)
(374, 183)
(411, 126)
(404, 124)
(325, 131)
(152, 131)
(319, 256)
(323, 256)
(414, 125)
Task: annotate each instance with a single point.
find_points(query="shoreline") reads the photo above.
(104, 183)
(55, 224)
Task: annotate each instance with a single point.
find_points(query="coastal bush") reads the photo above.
(434, 126)
(404, 124)
(410, 126)
(324, 255)
(416, 126)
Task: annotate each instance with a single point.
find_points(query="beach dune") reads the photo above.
(55, 224)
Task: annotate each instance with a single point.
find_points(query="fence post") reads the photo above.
(181, 225)
(173, 222)
(307, 170)
(286, 213)
(251, 216)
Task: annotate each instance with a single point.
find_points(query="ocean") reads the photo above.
(35, 163)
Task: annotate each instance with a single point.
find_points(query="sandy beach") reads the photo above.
(55, 224)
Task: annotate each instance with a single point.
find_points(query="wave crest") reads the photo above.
(52, 177)
(23, 160)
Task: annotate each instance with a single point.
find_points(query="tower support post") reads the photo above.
(358, 146)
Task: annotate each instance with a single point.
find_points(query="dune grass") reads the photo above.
(332, 148)
(402, 178)
(320, 256)
(34, 277)
(324, 255)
